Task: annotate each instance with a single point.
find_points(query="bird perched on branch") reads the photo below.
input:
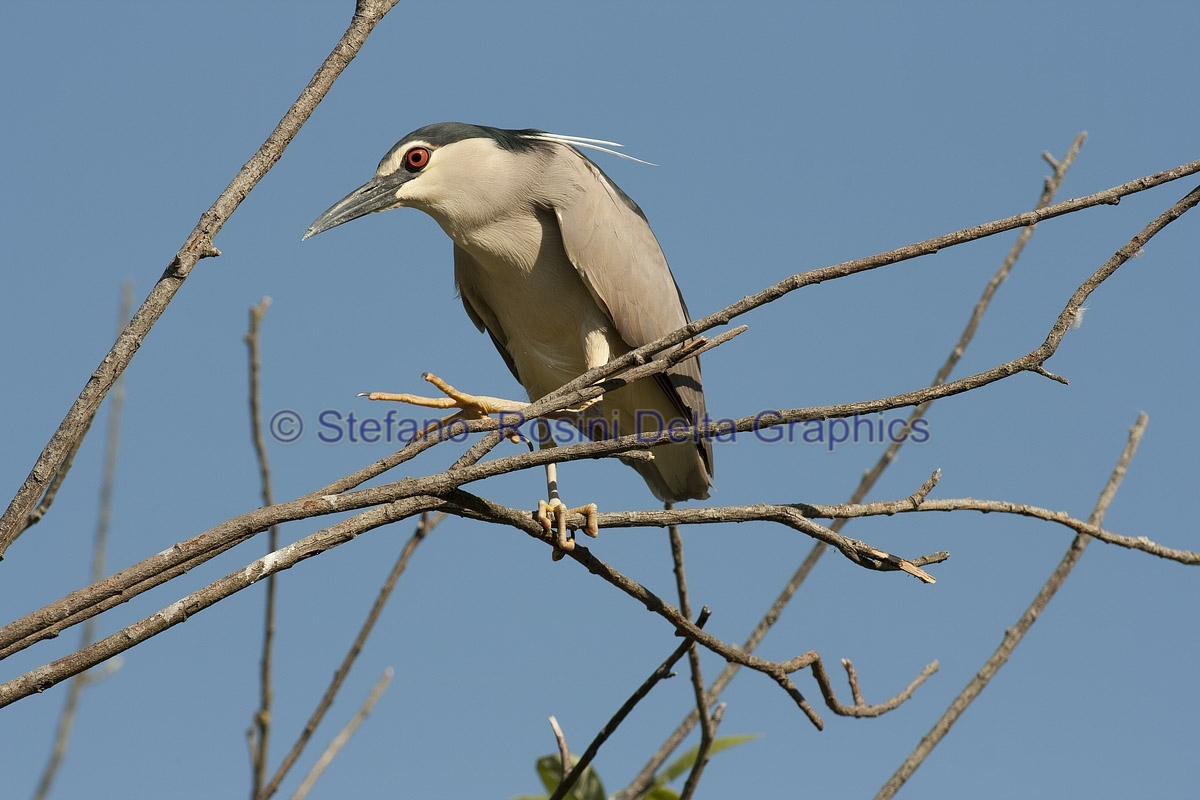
(559, 267)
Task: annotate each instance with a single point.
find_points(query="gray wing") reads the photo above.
(478, 309)
(610, 243)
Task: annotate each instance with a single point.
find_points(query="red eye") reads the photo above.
(416, 159)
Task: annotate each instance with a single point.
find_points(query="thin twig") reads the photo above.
(1050, 188)
(1013, 635)
(799, 517)
(426, 524)
(259, 734)
(108, 476)
(778, 671)
(564, 752)
(707, 726)
(703, 752)
(661, 673)
(343, 736)
(197, 246)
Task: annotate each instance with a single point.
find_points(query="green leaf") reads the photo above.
(661, 793)
(588, 787)
(685, 761)
(549, 769)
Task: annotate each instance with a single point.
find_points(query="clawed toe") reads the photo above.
(553, 517)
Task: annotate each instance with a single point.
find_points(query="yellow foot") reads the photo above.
(553, 517)
(469, 406)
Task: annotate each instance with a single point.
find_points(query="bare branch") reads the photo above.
(663, 671)
(259, 734)
(340, 740)
(704, 751)
(197, 246)
(859, 552)
(1140, 543)
(426, 524)
(708, 726)
(779, 671)
(799, 516)
(564, 752)
(1014, 634)
(869, 478)
(860, 708)
(48, 675)
(108, 477)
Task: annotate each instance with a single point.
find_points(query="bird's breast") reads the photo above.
(551, 326)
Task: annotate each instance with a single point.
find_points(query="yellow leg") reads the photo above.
(552, 513)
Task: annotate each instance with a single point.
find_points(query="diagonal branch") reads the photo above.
(778, 671)
(424, 527)
(610, 727)
(344, 735)
(198, 245)
(112, 440)
(1050, 188)
(42, 678)
(1014, 634)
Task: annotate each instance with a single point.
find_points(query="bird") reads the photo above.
(559, 267)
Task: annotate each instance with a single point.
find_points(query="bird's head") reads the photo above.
(451, 170)
(460, 174)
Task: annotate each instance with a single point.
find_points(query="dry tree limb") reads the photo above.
(708, 726)
(108, 477)
(1014, 634)
(42, 678)
(259, 735)
(662, 672)
(564, 752)
(799, 516)
(778, 671)
(198, 245)
(343, 736)
(424, 527)
(1050, 188)
(703, 752)
(1140, 543)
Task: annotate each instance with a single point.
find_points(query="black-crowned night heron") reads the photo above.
(561, 269)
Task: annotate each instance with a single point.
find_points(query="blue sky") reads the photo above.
(790, 137)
